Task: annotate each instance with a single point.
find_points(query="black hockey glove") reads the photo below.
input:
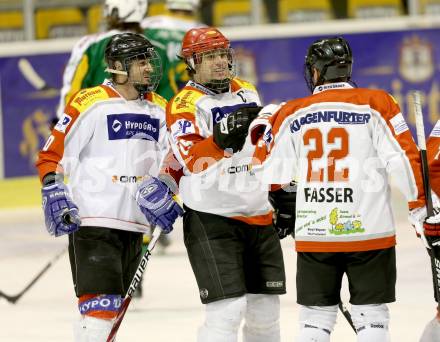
(284, 204)
(231, 131)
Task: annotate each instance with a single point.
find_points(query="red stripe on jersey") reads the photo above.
(259, 220)
(433, 151)
(346, 246)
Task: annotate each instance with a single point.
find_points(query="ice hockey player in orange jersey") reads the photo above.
(340, 144)
(432, 224)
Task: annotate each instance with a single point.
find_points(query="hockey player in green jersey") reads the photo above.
(166, 33)
(86, 65)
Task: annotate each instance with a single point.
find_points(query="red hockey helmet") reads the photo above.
(199, 40)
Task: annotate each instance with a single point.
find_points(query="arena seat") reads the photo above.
(430, 7)
(11, 26)
(59, 22)
(304, 11)
(156, 8)
(231, 12)
(374, 8)
(94, 18)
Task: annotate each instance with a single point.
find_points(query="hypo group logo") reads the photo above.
(63, 123)
(132, 126)
(219, 113)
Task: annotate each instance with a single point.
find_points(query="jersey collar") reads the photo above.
(201, 88)
(329, 86)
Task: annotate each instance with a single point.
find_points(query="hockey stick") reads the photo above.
(134, 284)
(15, 298)
(29, 73)
(347, 315)
(434, 251)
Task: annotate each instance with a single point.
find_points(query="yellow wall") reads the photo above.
(20, 192)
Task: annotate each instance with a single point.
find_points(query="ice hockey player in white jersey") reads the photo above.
(86, 65)
(340, 144)
(233, 248)
(110, 142)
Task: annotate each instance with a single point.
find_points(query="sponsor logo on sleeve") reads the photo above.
(87, 97)
(182, 127)
(218, 113)
(132, 126)
(63, 123)
(436, 130)
(399, 124)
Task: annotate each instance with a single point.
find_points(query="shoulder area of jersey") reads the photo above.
(185, 100)
(85, 98)
(156, 99)
(238, 84)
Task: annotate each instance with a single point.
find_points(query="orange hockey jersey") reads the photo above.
(340, 144)
(433, 151)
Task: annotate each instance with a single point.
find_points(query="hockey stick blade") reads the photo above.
(134, 284)
(347, 315)
(15, 298)
(29, 73)
(10, 299)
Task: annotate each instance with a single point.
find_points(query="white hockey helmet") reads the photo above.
(184, 5)
(127, 11)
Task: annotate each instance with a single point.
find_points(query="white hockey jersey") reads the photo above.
(214, 181)
(107, 145)
(340, 145)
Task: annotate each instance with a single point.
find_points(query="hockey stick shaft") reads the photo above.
(134, 284)
(15, 298)
(421, 142)
(347, 315)
(434, 252)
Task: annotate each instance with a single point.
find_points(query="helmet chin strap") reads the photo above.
(114, 71)
(142, 89)
(221, 87)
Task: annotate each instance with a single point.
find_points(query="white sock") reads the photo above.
(309, 334)
(262, 318)
(222, 320)
(431, 332)
(91, 329)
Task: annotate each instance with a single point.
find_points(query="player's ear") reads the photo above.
(118, 65)
(315, 75)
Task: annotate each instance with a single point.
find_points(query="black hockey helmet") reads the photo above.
(128, 47)
(332, 58)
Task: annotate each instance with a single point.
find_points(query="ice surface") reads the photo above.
(170, 309)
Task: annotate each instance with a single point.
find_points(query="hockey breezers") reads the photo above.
(134, 284)
(15, 298)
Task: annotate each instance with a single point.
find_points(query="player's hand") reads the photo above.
(284, 204)
(284, 224)
(157, 204)
(230, 132)
(60, 213)
(416, 217)
(432, 225)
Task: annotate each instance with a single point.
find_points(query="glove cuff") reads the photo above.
(52, 178)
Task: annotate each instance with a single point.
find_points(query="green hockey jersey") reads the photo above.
(166, 34)
(85, 67)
